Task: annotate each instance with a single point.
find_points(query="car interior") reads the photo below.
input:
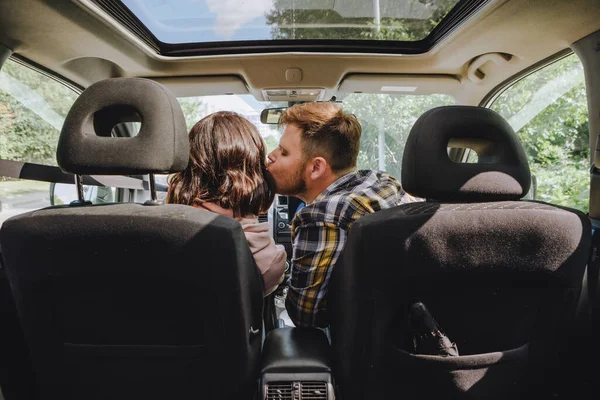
(486, 111)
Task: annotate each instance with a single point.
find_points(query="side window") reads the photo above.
(548, 111)
(33, 107)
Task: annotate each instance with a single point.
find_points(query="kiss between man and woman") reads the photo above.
(229, 173)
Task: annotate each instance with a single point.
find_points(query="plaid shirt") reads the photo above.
(319, 232)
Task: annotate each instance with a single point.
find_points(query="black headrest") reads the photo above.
(161, 146)
(502, 171)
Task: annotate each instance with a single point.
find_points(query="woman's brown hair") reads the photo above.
(227, 167)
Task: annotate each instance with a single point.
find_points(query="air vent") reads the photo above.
(280, 391)
(263, 218)
(313, 391)
(296, 391)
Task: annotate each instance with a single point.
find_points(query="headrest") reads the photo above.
(161, 146)
(502, 170)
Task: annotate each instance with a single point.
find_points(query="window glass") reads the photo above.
(386, 121)
(196, 108)
(18, 196)
(62, 193)
(548, 111)
(189, 21)
(33, 108)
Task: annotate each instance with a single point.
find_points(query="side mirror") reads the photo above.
(271, 115)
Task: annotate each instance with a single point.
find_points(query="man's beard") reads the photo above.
(298, 184)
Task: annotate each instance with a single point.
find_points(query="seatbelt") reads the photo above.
(46, 173)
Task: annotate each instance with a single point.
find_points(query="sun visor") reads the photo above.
(190, 86)
(399, 84)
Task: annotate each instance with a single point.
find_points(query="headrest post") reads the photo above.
(153, 199)
(80, 194)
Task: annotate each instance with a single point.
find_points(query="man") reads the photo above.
(316, 162)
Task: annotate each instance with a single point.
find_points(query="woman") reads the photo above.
(227, 175)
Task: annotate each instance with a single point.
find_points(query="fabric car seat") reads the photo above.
(124, 301)
(16, 375)
(500, 275)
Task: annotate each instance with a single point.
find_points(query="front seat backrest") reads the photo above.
(501, 276)
(123, 301)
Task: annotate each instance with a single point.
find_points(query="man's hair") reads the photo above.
(327, 131)
(227, 166)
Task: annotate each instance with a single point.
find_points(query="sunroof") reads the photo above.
(177, 22)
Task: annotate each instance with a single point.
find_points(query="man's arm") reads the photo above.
(316, 249)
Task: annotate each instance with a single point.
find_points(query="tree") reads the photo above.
(24, 134)
(392, 115)
(556, 139)
(555, 136)
(192, 110)
(306, 23)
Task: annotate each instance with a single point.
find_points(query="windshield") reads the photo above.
(195, 21)
(386, 121)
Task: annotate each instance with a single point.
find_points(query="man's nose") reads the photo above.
(270, 158)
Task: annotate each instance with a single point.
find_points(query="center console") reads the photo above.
(283, 211)
(295, 361)
(280, 219)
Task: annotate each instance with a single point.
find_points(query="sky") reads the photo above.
(179, 21)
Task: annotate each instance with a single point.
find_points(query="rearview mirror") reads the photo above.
(271, 115)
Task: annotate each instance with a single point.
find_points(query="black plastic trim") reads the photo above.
(455, 17)
(125, 17)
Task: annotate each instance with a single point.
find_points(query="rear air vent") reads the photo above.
(313, 391)
(280, 391)
(296, 391)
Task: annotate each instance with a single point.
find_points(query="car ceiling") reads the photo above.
(67, 38)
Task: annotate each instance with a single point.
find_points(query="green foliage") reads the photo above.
(556, 140)
(272, 142)
(392, 115)
(283, 24)
(555, 136)
(548, 108)
(409, 29)
(24, 135)
(192, 110)
(321, 24)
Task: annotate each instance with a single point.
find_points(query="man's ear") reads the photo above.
(318, 167)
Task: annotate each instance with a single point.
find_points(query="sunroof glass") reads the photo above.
(194, 21)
